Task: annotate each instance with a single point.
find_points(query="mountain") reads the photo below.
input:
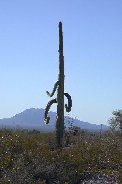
(34, 119)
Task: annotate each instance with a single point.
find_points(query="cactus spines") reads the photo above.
(59, 86)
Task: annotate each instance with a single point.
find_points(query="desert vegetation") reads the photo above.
(116, 121)
(86, 157)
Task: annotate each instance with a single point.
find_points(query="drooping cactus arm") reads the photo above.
(68, 107)
(54, 89)
(46, 117)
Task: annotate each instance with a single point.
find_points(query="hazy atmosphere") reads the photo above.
(92, 32)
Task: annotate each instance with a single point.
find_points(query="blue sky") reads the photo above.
(92, 54)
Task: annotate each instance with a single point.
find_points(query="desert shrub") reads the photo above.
(26, 157)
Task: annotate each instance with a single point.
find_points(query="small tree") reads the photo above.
(116, 121)
(112, 123)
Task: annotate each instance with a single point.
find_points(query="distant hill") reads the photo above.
(34, 119)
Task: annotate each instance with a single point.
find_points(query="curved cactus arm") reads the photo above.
(68, 107)
(54, 89)
(46, 117)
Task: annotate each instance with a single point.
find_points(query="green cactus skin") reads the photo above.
(59, 86)
(46, 117)
(54, 89)
(68, 108)
(60, 92)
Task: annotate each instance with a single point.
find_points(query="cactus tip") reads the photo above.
(48, 93)
(47, 120)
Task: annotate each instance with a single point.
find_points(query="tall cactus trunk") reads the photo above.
(60, 93)
(59, 87)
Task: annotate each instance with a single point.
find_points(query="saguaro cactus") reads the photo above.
(59, 86)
